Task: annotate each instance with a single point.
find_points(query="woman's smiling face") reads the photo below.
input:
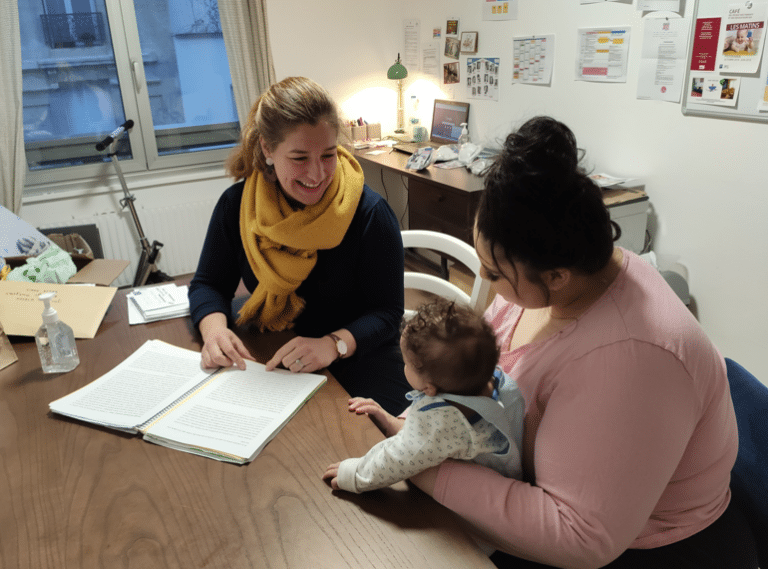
(305, 161)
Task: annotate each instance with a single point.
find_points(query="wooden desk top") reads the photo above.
(79, 496)
(463, 180)
(456, 178)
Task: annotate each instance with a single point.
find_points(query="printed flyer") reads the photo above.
(483, 78)
(533, 57)
(741, 36)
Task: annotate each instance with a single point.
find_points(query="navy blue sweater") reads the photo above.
(357, 285)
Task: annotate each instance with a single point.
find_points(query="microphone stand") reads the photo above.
(147, 271)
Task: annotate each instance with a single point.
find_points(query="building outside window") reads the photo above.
(90, 65)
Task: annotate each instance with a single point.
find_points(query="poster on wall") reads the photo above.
(715, 90)
(411, 36)
(741, 37)
(532, 59)
(450, 73)
(430, 59)
(705, 44)
(663, 59)
(483, 78)
(452, 47)
(452, 27)
(602, 54)
(762, 104)
(658, 5)
(500, 9)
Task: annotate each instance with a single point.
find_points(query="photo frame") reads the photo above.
(452, 48)
(468, 42)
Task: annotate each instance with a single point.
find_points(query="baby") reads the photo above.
(742, 42)
(450, 356)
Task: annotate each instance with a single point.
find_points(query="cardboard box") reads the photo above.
(101, 272)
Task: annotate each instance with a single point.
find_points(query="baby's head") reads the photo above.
(741, 36)
(448, 348)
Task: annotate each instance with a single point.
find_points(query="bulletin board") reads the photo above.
(752, 87)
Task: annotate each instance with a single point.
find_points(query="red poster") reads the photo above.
(705, 44)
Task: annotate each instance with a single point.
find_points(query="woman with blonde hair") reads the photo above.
(319, 251)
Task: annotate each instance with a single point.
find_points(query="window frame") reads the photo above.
(122, 30)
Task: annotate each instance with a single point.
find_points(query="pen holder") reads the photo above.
(374, 131)
(345, 136)
(359, 132)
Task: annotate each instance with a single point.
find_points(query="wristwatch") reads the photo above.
(341, 346)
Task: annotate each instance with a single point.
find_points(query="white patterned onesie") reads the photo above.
(434, 430)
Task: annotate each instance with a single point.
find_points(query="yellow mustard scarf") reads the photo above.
(281, 244)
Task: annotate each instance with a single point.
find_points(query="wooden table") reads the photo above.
(78, 496)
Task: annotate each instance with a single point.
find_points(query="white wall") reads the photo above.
(708, 212)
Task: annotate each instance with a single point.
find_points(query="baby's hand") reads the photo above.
(362, 405)
(332, 473)
(387, 424)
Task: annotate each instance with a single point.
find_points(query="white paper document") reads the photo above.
(499, 9)
(412, 43)
(603, 54)
(163, 392)
(664, 55)
(741, 37)
(430, 59)
(533, 59)
(658, 5)
(162, 302)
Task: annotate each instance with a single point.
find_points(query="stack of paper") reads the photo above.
(152, 303)
(606, 180)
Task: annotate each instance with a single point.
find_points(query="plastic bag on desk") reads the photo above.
(53, 266)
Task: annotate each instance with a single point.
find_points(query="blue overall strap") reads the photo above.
(506, 414)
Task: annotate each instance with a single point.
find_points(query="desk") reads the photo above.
(79, 496)
(446, 200)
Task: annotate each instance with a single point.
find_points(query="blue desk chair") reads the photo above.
(749, 477)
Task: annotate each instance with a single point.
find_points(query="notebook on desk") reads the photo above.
(447, 117)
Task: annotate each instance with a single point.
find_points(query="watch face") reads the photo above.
(341, 345)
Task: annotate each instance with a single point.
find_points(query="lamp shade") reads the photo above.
(397, 70)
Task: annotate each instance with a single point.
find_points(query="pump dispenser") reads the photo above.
(55, 340)
(463, 137)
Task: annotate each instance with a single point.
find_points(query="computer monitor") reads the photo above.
(447, 117)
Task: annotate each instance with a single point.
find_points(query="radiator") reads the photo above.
(180, 228)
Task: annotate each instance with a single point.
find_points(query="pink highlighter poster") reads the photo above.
(705, 44)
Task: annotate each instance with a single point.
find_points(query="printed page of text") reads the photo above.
(149, 380)
(238, 412)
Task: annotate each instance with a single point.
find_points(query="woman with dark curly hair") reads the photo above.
(629, 431)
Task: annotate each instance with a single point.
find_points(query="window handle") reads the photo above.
(136, 74)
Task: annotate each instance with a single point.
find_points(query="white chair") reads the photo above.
(446, 245)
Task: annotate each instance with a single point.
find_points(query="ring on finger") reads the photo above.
(298, 361)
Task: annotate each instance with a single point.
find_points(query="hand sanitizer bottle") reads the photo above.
(463, 137)
(55, 341)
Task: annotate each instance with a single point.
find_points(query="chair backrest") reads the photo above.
(457, 249)
(749, 477)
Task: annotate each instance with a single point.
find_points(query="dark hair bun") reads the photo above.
(540, 206)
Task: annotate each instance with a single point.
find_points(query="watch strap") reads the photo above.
(336, 341)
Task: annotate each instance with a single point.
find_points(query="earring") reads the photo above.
(270, 162)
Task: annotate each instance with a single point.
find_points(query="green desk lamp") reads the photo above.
(398, 72)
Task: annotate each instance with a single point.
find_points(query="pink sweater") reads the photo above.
(630, 433)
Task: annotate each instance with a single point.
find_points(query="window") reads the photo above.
(90, 65)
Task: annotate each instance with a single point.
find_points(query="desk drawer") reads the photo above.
(440, 209)
(420, 220)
